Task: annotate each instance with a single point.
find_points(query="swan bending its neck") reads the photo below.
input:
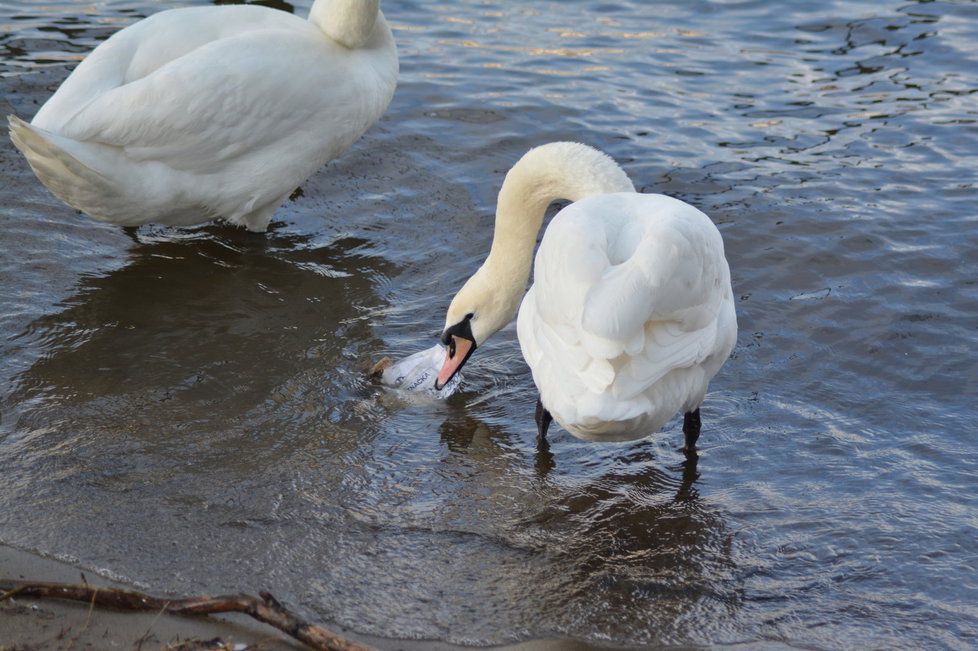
(490, 298)
(348, 22)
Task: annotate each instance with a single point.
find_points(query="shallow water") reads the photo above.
(187, 410)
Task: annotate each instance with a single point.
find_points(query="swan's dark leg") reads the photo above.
(543, 419)
(691, 430)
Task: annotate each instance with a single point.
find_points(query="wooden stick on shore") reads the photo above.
(266, 610)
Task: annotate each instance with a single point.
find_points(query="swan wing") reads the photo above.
(627, 288)
(226, 98)
(142, 48)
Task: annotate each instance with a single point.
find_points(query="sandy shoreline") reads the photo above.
(54, 624)
(36, 624)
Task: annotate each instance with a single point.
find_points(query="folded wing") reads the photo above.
(627, 288)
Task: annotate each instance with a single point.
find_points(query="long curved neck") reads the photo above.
(560, 170)
(348, 22)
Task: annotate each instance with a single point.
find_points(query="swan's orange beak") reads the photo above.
(459, 350)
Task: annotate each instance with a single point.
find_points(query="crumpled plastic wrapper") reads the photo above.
(416, 373)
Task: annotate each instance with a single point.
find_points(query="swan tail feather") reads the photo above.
(62, 173)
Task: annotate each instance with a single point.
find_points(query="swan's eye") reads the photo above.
(470, 315)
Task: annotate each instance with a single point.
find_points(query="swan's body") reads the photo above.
(211, 112)
(631, 313)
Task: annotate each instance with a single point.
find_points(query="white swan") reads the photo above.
(211, 112)
(631, 313)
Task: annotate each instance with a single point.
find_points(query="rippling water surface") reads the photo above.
(187, 409)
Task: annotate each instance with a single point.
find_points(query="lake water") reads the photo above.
(186, 410)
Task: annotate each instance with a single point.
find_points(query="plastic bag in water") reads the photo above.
(417, 373)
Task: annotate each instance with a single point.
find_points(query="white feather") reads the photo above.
(630, 314)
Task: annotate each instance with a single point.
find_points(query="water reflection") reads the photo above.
(646, 541)
(203, 331)
(611, 536)
(471, 438)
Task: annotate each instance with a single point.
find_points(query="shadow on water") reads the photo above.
(611, 536)
(642, 543)
(200, 330)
